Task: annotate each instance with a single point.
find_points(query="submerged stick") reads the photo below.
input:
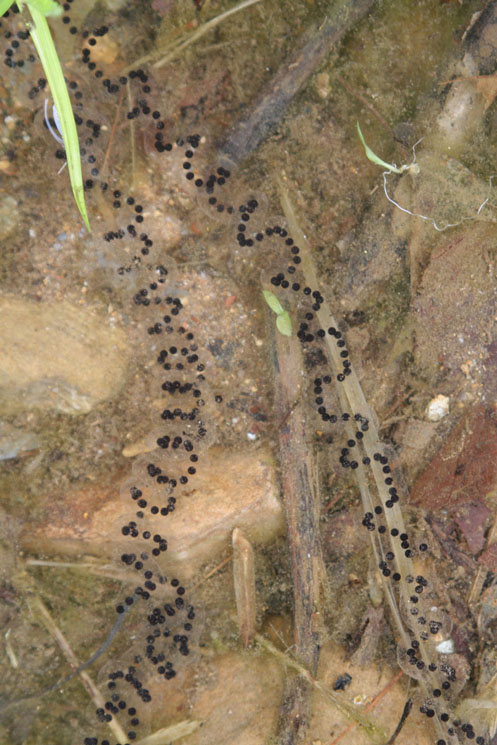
(353, 403)
(303, 535)
(259, 121)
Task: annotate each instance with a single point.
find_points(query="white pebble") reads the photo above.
(437, 408)
(446, 647)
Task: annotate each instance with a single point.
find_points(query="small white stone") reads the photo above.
(446, 647)
(437, 408)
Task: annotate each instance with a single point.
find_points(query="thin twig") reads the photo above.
(112, 133)
(213, 571)
(90, 686)
(107, 571)
(172, 733)
(179, 46)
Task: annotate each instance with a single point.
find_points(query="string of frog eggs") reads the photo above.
(187, 428)
(168, 625)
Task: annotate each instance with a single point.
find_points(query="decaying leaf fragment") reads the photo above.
(244, 580)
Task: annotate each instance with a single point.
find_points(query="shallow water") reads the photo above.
(81, 392)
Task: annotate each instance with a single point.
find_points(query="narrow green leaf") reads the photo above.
(5, 5)
(373, 157)
(284, 323)
(273, 302)
(45, 7)
(42, 39)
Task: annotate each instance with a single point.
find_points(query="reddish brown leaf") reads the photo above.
(465, 469)
(471, 519)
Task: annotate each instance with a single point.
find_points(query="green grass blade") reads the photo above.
(370, 155)
(42, 39)
(5, 5)
(46, 7)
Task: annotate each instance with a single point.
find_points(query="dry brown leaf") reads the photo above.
(487, 86)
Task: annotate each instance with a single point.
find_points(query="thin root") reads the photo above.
(440, 228)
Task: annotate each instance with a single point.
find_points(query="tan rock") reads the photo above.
(241, 707)
(235, 490)
(232, 489)
(57, 356)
